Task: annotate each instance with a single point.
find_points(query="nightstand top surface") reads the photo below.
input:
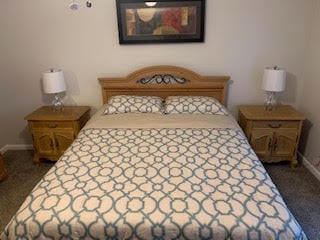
(69, 113)
(282, 112)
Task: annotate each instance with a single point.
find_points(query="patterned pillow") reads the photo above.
(134, 104)
(193, 104)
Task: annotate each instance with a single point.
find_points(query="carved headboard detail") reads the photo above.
(162, 79)
(165, 81)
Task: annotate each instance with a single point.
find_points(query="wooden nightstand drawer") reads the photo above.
(276, 124)
(51, 124)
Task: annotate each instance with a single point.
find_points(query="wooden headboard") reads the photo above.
(165, 81)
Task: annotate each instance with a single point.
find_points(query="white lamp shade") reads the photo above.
(151, 4)
(274, 80)
(53, 81)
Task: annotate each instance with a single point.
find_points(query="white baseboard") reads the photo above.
(15, 147)
(310, 167)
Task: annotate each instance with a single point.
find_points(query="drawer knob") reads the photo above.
(53, 125)
(275, 125)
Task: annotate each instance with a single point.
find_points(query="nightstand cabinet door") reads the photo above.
(261, 141)
(52, 143)
(285, 142)
(43, 142)
(63, 139)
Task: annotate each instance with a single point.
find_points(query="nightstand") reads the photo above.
(274, 135)
(3, 171)
(53, 132)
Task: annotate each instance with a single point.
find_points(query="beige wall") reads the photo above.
(242, 37)
(310, 94)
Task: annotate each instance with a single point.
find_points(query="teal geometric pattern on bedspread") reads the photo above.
(156, 184)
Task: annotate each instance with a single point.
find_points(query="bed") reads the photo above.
(157, 176)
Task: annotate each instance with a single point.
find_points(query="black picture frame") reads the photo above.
(168, 21)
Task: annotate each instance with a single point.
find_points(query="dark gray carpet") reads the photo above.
(23, 176)
(299, 188)
(301, 192)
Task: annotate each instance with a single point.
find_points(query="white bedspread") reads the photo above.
(152, 176)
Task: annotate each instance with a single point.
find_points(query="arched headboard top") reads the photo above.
(165, 81)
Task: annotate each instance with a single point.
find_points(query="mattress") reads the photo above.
(153, 176)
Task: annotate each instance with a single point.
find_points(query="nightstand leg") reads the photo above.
(3, 175)
(294, 163)
(3, 171)
(36, 159)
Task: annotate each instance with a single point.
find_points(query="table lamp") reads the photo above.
(54, 83)
(274, 80)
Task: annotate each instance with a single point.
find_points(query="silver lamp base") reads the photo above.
(271, 101)
(57, 104)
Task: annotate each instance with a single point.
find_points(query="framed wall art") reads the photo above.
(162, 21)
